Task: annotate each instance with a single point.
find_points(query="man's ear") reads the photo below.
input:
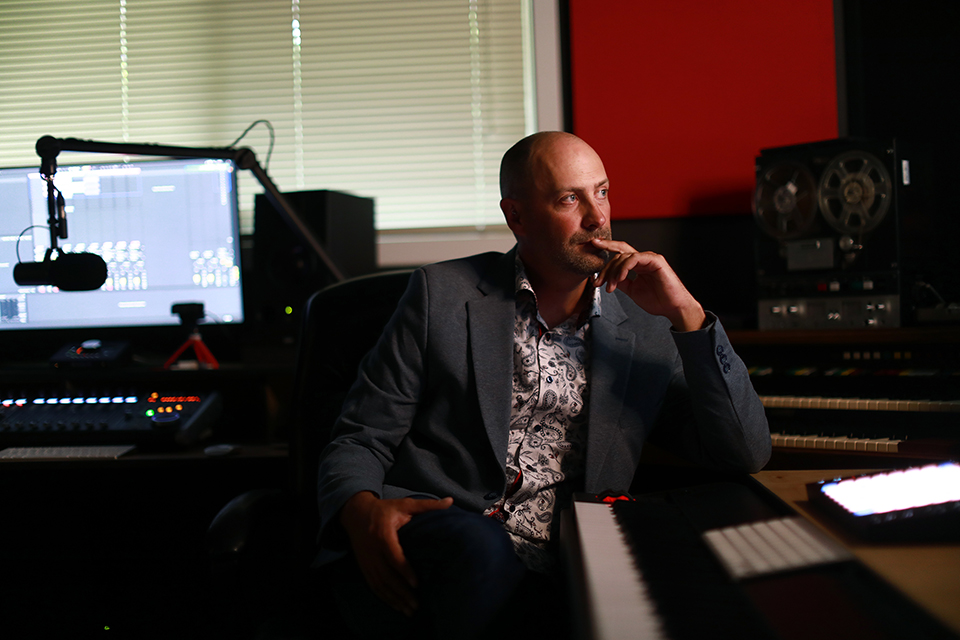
(511, 213)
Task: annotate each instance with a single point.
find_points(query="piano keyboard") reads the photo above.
(643, 569)
(66, 453)
(860, 404)
(865, 425)
(641, 566)
(835, 443)
(614, 587)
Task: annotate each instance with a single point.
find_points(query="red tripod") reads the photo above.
(190, 314)
(204, 356)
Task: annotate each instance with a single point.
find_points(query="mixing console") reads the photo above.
(148, 419)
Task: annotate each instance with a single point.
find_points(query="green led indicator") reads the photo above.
(150, 413)
(288, 310)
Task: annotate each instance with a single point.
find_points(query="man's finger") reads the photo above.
(415, 506)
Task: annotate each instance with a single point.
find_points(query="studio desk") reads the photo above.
(870, 398)
(645, 568)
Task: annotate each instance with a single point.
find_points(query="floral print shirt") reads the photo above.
(547, 440)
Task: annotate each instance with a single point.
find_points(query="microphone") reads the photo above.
(48, 148)
(69, 272)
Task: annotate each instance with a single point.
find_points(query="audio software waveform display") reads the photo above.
(168, 231)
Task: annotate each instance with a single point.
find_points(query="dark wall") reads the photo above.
(713, 255)
(900, 66)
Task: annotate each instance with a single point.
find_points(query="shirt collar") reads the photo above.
(522, 283)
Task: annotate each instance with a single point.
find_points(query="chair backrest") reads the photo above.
(341, 323)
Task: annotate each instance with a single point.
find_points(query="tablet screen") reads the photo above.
(897, 490)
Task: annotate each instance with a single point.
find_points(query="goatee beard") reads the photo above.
(587, 265)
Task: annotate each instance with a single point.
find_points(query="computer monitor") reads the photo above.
(168, 231)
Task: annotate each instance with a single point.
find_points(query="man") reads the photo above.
(503, 384)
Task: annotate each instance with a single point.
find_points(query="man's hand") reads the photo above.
(653, 284)
(372, 524)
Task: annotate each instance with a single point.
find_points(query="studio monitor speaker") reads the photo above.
(285, 272)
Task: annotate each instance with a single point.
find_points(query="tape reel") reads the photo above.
(785, 202)
(855, 192)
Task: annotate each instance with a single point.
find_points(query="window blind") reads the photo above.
(410, 103)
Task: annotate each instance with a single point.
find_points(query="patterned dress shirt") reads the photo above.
(547, 441)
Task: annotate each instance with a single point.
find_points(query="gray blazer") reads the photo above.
(430, 410)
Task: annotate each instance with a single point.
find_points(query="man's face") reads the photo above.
(564, 207)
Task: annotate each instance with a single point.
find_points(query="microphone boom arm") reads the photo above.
(48, 147)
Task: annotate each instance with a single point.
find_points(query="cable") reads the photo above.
(920, 284)
(269, 126)
(33, 226)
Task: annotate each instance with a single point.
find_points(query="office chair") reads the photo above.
(261, 544)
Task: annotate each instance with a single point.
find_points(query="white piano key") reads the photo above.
(808, 442)
(837, 443)
(851, 444)
(891, 446)
(616, 591)
(877, 445)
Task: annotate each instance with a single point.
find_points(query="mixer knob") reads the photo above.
(166, 420)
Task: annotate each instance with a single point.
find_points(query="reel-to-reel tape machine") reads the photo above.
(828, 251)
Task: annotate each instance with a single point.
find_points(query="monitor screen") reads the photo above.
(168, 231)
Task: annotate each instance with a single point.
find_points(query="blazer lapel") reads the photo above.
(490, 321)
(612, 355)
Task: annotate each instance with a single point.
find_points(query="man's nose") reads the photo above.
(593, 215)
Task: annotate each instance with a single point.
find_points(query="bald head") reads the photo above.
(555, 201)
(517, 162)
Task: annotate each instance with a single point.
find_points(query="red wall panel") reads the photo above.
(679, 97)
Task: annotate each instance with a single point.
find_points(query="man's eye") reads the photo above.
(570, 198)
(603, 193)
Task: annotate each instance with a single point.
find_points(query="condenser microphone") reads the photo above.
(69, 272)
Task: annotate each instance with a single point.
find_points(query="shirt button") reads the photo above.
(550, 379)
(493, 495)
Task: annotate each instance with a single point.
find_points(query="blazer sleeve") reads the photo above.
(379, 409)
(712, 414)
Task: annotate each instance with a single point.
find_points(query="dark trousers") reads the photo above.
(471, 584)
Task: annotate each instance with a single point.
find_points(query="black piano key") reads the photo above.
(683, 575)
